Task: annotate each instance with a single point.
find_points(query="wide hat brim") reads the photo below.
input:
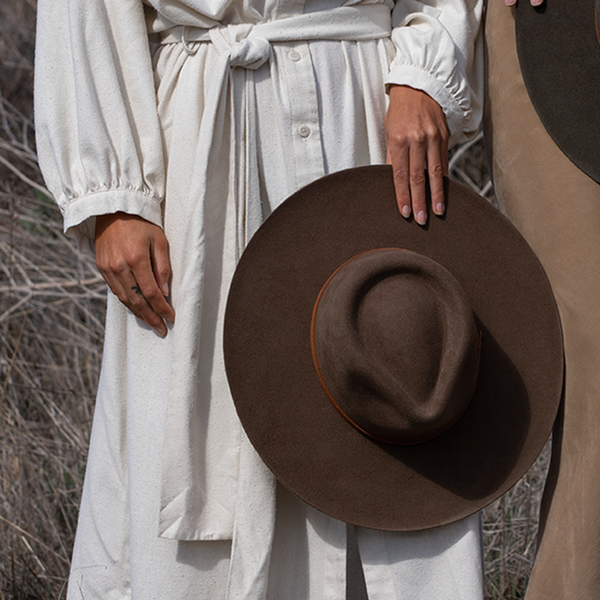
(559, 53)
(296, 430)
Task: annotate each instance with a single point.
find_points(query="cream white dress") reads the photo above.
(242, 103)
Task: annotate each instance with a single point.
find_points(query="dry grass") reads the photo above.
(51, 325)
(51, 329)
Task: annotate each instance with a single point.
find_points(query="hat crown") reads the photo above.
(395, 345)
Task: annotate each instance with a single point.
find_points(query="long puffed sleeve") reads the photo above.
(439, 50)
(98, 135)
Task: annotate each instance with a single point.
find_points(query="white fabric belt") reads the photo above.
(249, 45)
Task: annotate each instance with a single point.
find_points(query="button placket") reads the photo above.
(304, 115)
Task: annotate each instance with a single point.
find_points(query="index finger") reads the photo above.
(400, 170)
(148, 287)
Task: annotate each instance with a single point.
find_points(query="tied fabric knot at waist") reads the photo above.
(245, 50)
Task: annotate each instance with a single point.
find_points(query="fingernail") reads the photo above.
(439, 209)
(405, 210)
(162, 331)
(165, 289)
(421, 217)
(169, 319)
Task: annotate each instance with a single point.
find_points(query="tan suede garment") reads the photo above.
(557, 208)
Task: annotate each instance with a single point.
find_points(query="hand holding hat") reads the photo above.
(416, 137)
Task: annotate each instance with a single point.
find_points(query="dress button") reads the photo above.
(304, 131)
(294, 55)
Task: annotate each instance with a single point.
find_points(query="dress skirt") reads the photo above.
(122, 551)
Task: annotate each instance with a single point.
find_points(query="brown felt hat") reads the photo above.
(393, 376)
(559, 53)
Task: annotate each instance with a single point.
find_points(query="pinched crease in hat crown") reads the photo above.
(395, 345)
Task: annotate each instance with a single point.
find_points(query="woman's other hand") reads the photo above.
(533, 2)
(417, 138)
(132, 255)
